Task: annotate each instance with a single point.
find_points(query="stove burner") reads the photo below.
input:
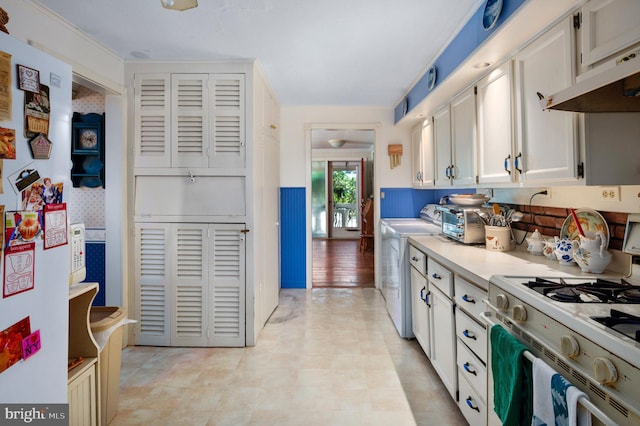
(598, 291)
(622, 322)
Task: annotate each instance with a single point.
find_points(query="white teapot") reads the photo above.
(592, 255)
(535, 243)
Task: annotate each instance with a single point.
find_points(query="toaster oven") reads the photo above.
(463, 224)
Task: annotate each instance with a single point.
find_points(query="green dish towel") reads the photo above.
(512, 379)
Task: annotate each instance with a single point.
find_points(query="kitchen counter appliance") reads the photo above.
(585, 329)
(395, 273)
(463, 224)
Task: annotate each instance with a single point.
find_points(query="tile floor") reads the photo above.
(328, 356)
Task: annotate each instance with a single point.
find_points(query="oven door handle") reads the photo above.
(486, 317)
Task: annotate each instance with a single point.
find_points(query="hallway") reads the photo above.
(339, 263)
(327, 357)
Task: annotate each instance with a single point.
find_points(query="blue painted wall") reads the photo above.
(95, 263)
(293, 227)
(407, 202)
(470, 37)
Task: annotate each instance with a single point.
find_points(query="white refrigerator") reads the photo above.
(42, 377)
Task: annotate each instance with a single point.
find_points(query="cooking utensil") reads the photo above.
(468, 199)
(575, 219)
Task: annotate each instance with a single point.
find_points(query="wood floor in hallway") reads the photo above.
(339, 263)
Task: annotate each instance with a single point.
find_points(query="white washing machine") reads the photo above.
(394, 267)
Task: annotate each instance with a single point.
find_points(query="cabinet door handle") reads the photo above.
(426, 299)
(506, 163)
(469, 335)
(466, 299)
(451, 174)
(446, 172)
(469, 370)
(422, 293)
(517, 165)
(436, 276)
(470, 404)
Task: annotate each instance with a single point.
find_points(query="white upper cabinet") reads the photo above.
(547, 140)
(442, 146)
(463, 138)
(422, 155)
(190, 120)
(495, 129)
(607, 27)
(416, 156)
(454, 132)
(152, 93)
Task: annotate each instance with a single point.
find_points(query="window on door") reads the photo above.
(335, 202)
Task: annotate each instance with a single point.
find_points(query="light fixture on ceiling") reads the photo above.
(337, 143)
(179, 4)
(482, 65)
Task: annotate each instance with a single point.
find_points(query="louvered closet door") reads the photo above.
(227, 285)
(190, 127)
(190, 285)
(227, 103)
(153, 283)
(152, 112)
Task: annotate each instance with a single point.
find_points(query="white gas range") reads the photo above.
(561, 321)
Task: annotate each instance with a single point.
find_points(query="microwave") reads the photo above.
(463, 224)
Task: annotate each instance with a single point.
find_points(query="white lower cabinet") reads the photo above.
(472, 354)
(443, 340)
(471, 405)
(190, 284)
(420, 309)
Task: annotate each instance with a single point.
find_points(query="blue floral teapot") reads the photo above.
(564, 250)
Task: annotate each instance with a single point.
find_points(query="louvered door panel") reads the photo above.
(153, 282)
(152, 123)
(190, 282)
(190, 127)
(227, 285)
(227, 115)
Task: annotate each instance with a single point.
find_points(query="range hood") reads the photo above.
(611, 87)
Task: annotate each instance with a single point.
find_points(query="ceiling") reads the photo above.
(327, 52)
(362, 140)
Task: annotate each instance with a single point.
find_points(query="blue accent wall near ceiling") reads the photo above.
(407, 202)
(293, 231)
(470, 37)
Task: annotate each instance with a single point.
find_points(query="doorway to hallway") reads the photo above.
(336, 189)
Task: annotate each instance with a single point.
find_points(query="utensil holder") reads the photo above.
(498, 238)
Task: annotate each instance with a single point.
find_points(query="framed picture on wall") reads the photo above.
(86, 138)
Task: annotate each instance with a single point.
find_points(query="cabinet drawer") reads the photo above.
(440, 277)
(472, 334)
(418, 260)
(471, 406)
(474, 370)
(469, 297)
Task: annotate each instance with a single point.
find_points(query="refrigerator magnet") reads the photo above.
(28, 79)
(40, 147)
(18, 269)
(55, 225)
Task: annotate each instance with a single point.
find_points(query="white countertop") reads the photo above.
(477, 264)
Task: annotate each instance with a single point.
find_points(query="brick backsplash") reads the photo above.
(549, 220)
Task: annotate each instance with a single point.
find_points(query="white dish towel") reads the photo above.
(555, 401)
